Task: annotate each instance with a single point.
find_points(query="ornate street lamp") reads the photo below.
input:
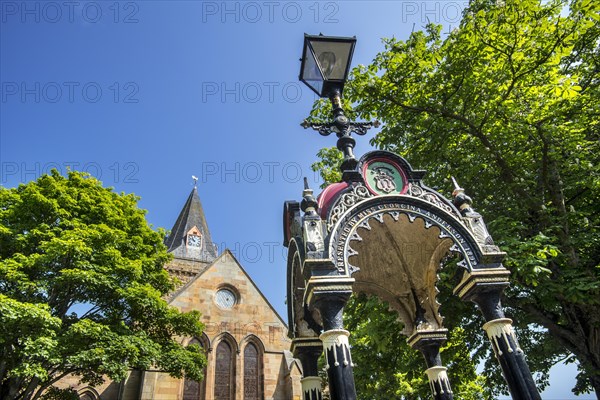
(325, 66)
(326, 63)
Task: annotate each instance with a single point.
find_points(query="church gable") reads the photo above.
(244, 336)
(231, 303)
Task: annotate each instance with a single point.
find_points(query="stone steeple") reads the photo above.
(190, 237)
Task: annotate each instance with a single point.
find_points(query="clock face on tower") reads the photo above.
(193, 240)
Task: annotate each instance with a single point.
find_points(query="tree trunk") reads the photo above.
(10, 389)
(596, 385)
(30, 388)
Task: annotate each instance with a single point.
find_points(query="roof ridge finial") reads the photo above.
(457, 188)
(461, 200)
(309, 204)
(195, 178)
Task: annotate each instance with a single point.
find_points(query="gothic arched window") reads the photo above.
(252, 373)
(194, 390)
(224, 372)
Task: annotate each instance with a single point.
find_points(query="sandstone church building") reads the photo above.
(244, 337)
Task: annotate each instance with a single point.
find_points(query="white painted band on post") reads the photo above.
(311, 383)
(438, 375)
(333, 339)
(501, 329)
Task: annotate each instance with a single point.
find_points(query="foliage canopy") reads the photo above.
(81, 289)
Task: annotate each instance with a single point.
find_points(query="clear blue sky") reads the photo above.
(145, 94)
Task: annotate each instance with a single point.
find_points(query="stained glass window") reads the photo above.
(224, 372)
(252, 374)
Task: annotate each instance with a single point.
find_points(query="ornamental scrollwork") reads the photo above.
(433, 198)
(345, 202)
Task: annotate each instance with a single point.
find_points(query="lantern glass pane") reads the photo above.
(311, 74)
(333, 58)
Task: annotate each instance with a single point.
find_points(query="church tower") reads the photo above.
(244, 337)
(190, 241)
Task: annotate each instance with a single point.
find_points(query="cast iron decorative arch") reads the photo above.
(302, 323)
(419, 237)
(306, 345)
(382, 231)
(375, 208)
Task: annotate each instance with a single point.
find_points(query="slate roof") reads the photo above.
(192, 215)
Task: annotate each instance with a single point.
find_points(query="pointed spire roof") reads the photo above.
(191, 221)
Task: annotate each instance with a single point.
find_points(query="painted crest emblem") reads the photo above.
(383, 177)
(384, 180)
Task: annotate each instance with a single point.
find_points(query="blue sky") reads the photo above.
(145, 94)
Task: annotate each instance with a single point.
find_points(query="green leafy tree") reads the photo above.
(509, 103)
(67, 243)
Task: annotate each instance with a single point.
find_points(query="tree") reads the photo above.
(67, 244)
(509, 103)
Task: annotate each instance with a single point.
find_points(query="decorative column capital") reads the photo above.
(336, 345)
(311, 384)
(308, 350)
(484, 287)
(303, 345)
(479, 281)
(428, 342)
(327, 288)
(339, 364)
(419, 338)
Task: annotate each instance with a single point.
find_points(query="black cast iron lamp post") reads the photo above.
(325, 66)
